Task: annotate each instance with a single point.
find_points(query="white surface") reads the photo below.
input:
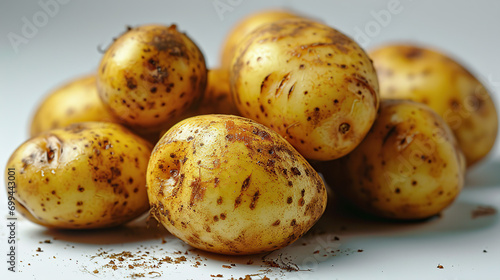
(66, 46)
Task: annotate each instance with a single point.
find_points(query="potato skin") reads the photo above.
(310, 83)
(217, 98)
(84, 176)
(409, 166)
(244, 27)
(229, 185)
(73, 102)
(430, 77)
(151, 75)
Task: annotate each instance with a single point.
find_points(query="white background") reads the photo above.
(65, 46)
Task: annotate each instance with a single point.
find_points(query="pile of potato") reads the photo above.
(220, 156)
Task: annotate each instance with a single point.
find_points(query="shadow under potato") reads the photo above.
(485, 174)
(141, 229)
(342, 219)
(341, 228)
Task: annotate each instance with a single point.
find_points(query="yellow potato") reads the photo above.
(246, 26)
(151, 75)
(312, 84)
(229, 185)
(76, 101)
(430, 77)
(217, 98)
(409, 166)
(86, 175)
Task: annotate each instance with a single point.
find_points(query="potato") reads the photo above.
(310, 83)
(430, 77)
(229, 185)
(86, 175)
(76, 101)
(246, 26)
(409, 166)
(217, 98)
(151, 75)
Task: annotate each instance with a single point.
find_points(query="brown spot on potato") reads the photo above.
(197, 191)
(344, 128)
(279, 89)
(389, 133)
(413, 52)
(291, 90)
(295, 171)
(276, 223)
(237, 202)
(289, 200)
(301, 201)
(254, 200)
(131, 82)
(246, 183)
(454, 105)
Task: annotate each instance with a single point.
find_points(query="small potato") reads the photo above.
(430, 77)
(151, 75)
(76, 101)
(309, 82)
(229, 185)
(86, 175)
(246, 26)
(409, 166)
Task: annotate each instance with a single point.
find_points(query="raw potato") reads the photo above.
(76, 101)
(310, 83)
(151, 75)
(246, 26)
(430, 77)
(87, 175)
(409, 166)
(229, 185)
(217, 98)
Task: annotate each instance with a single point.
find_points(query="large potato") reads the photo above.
(310, 83)
(86, 175)
(229, 185)
(151, 75)
(409, 166)
(430, 77)
(246, 26)
(76, 101)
